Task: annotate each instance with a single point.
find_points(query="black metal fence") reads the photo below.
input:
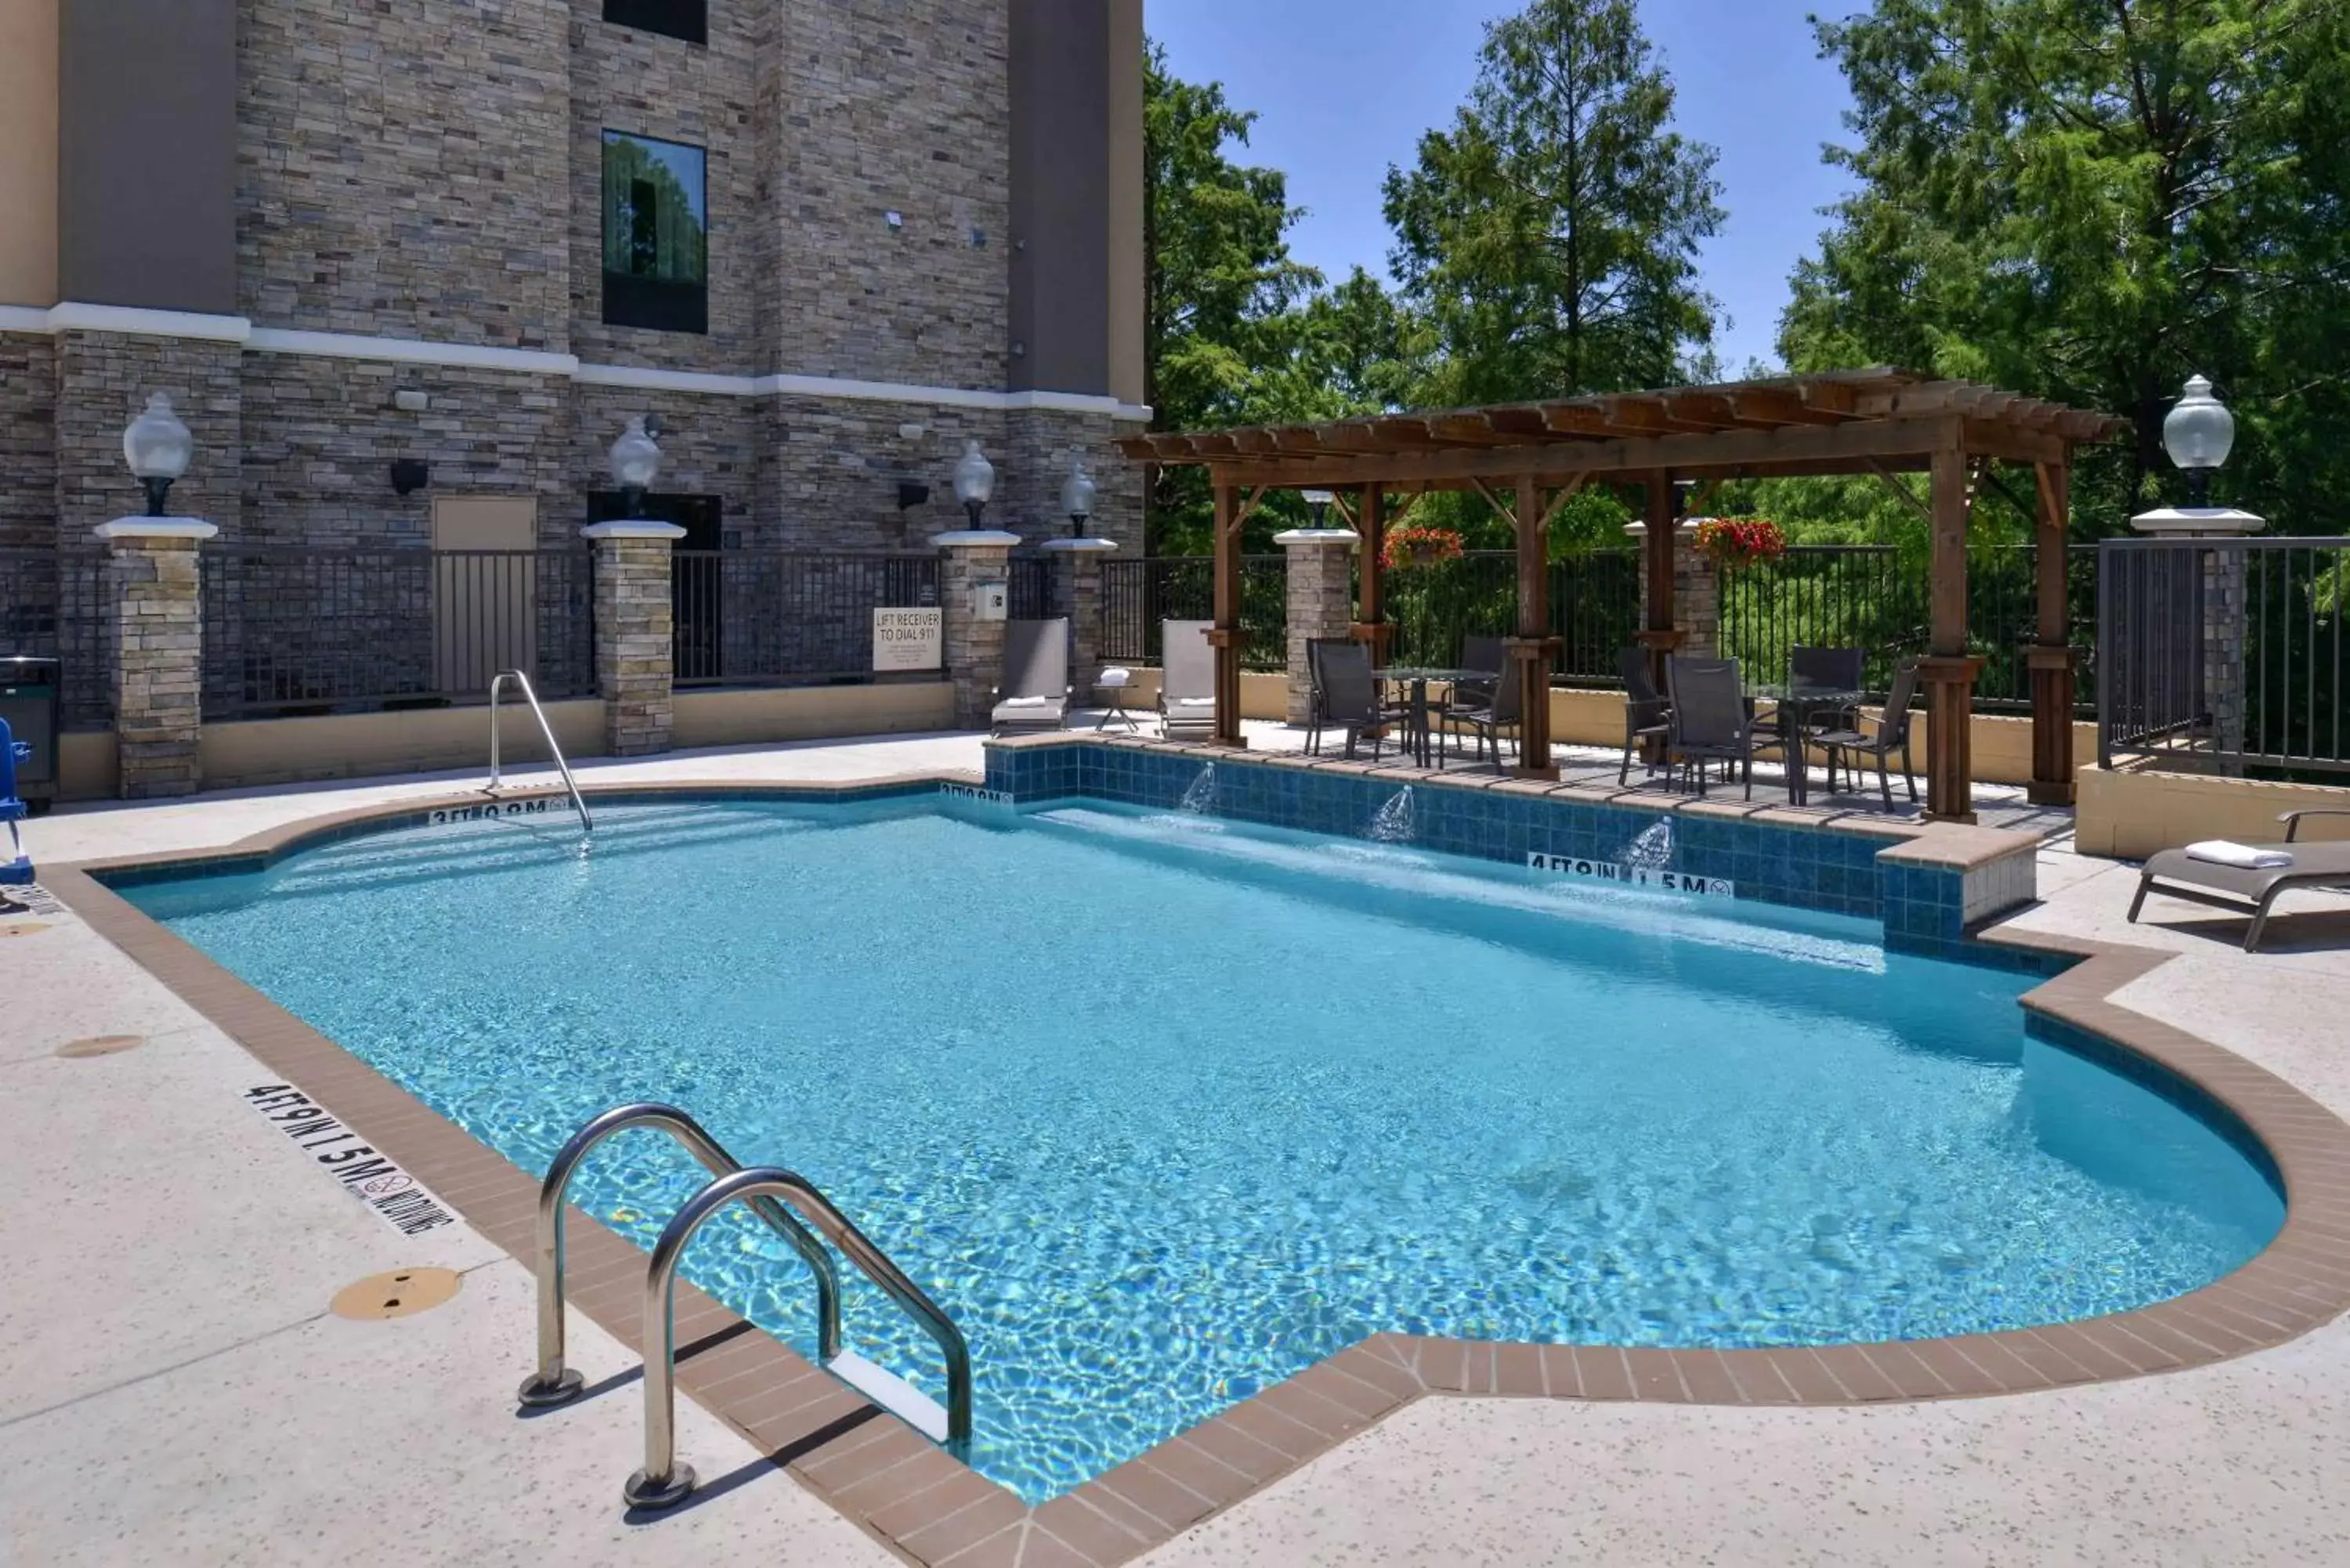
(294, 630)
(1876, 599)
(780, 617)
(1595, 607)
(1036, 594)
(2225, 653)
(59, 604)
(1139, 595)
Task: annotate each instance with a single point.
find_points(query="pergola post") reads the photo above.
(1533, 647)
(1226, 636)
(1948, 673)
(2050, 659)
(1372, 623)
(1661, 636)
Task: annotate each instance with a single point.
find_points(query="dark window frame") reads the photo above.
(656, 304)
(685, 19)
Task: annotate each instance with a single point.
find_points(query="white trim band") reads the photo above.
(188, 528)
(73, 317)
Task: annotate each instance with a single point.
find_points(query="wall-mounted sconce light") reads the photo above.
(410, 474)
(912, 493)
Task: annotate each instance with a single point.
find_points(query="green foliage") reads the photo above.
(2090, 201)
(1550, 237)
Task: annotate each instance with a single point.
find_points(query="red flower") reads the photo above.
(1739, 541)
(1411, 546)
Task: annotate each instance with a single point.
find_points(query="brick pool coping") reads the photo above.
(932, 1508)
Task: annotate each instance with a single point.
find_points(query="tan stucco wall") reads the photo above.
(28, 152)
(362, 745)
(708, 719)
(2132, 814)
(86, 765)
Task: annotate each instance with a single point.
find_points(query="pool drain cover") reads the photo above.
(401, 1294)
(100, 1045)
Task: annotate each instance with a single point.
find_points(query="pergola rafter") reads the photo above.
(1877, 422)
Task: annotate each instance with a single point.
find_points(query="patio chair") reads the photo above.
(1187, 687)
(1710, 721)
(1036, 690)
(2231, 888)
(1346, 695)
(1647, 714)
(1500, 713)
(1828, 670)
(1489, 657)
(1891, 734)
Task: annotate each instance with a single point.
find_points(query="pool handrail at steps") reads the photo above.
(663, 1482)
(530, 695)
(555, 1383)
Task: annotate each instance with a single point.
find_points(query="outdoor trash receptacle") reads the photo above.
(28, 700)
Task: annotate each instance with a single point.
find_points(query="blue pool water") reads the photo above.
(1163, 1110)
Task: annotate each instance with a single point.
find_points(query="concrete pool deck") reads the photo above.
(177, 1392)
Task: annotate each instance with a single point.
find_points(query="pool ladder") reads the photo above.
(530, 695)
(663, 1482)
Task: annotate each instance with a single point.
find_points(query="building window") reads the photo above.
(687, 19)
(656, 225)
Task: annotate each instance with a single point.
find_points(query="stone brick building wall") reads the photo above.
(103, 380)
(649, 85)
(892, 106)
(404, 169)
(28, 459)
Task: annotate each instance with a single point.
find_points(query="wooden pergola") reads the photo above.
(1527, 458)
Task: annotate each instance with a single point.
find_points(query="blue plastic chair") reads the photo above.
(13, 751)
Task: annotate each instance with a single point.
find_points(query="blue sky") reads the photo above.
(1345, 87)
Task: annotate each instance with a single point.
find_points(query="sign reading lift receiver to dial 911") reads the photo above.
(907, 640)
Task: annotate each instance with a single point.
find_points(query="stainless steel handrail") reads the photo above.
(555, 1383)
(663, 1482)
(530, 695)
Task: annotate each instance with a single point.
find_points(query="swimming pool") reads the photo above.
(1164, 1110)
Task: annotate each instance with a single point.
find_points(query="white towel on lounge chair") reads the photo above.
(1025, 702)
(2242, 857)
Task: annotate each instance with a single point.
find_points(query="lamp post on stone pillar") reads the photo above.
(2198, 435)
(1321, 603)
(635, 645)
(1080, 572)
(975, 594)
(158, 639)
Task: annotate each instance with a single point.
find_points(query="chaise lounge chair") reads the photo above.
(2231, 887)
(1036, 690)
(1187, 687)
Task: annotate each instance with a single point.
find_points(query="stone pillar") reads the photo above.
(1079, 584)
(2225, 612)
(1321, 602)
(975, 599)
(1697, 590)
(636, 647)
(158, 652)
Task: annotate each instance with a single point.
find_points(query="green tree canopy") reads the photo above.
(2090, 201)
(1551, 235)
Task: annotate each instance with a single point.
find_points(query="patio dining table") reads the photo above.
(1795, 703)
(1419, 740)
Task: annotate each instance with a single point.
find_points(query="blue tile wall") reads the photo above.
(2152, 1075)
(1836, 872)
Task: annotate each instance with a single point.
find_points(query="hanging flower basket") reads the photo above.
(1408, 547)
(1731, 543)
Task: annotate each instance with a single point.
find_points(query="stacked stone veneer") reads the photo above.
(1697, 591)
(1321, 606)
(633, 623)
(158, 667)
(974, 648)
